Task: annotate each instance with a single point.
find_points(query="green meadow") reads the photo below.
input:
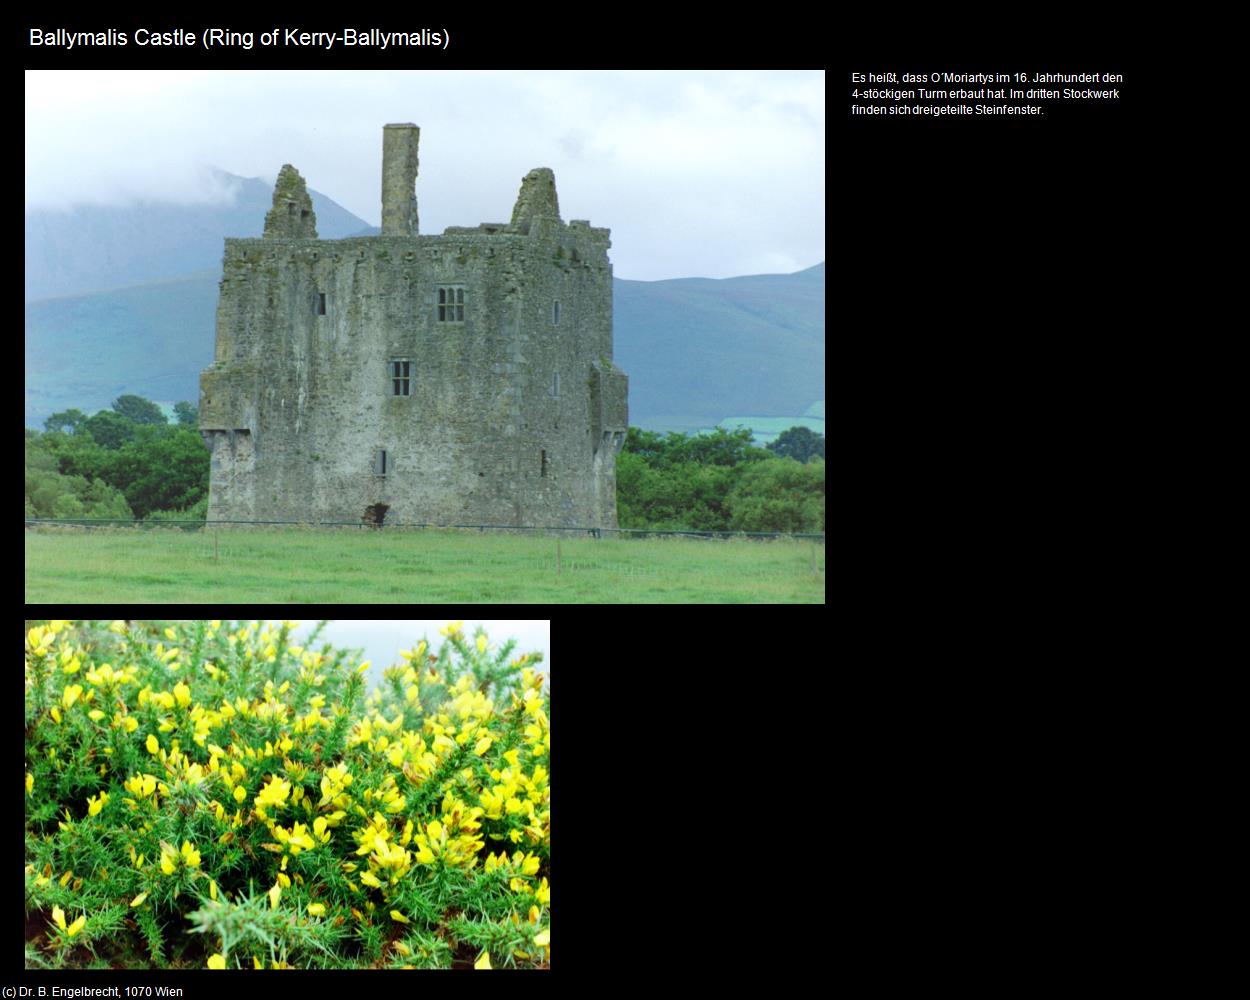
(327, 566)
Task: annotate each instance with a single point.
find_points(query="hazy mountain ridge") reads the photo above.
(91, 248)
(704, 348)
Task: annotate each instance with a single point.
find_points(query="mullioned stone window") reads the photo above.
(401, 377)
(451, 304)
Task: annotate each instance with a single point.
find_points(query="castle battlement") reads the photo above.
(464, 377)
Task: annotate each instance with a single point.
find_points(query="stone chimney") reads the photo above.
(399, 178)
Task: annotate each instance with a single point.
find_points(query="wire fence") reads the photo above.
(193, 525)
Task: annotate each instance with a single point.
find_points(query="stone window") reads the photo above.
(555, 314)
(401, 377)
(544, 462)
(321, 303)
(555, 385)
(380, 466)
(451, 304)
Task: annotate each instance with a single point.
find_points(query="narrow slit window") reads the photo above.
(555, 385)
(555, 314)
(321, 303)
(544, 467)
(379, 462)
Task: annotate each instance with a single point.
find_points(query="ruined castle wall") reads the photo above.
(299, 402)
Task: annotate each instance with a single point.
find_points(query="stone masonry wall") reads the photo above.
(515, 414)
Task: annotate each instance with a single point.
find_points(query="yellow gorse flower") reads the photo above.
(169, 857)
(59, 916)
(414, 654)
(275, 793)
(40, 639)
(216, 961)
(94, 805)
(141, 785)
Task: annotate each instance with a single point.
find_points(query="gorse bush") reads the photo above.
(207, 794)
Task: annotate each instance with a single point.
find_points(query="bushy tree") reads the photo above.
(798, 443)
(719, 447)
(163, 469)
(188, 415)
(109, 429)
(51, 493)
(780, 495)
(138, 410)
(68, 505)
(67, 421)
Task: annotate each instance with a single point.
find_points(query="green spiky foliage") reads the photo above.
(210, 793)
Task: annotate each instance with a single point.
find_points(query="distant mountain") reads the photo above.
(698, 350)
(91, 248)
(152, 340)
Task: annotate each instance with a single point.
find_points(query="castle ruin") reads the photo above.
(465, 378)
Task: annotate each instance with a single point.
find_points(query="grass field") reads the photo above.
(66, 565)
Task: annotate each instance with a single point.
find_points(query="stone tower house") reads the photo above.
(465, 378)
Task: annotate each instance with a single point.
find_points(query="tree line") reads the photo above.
(130, 461)
(125, 462)
(721, 481)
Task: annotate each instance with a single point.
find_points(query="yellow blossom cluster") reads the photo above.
(280, 775)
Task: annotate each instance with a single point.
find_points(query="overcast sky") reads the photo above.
(697, 174)
(382, 639)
